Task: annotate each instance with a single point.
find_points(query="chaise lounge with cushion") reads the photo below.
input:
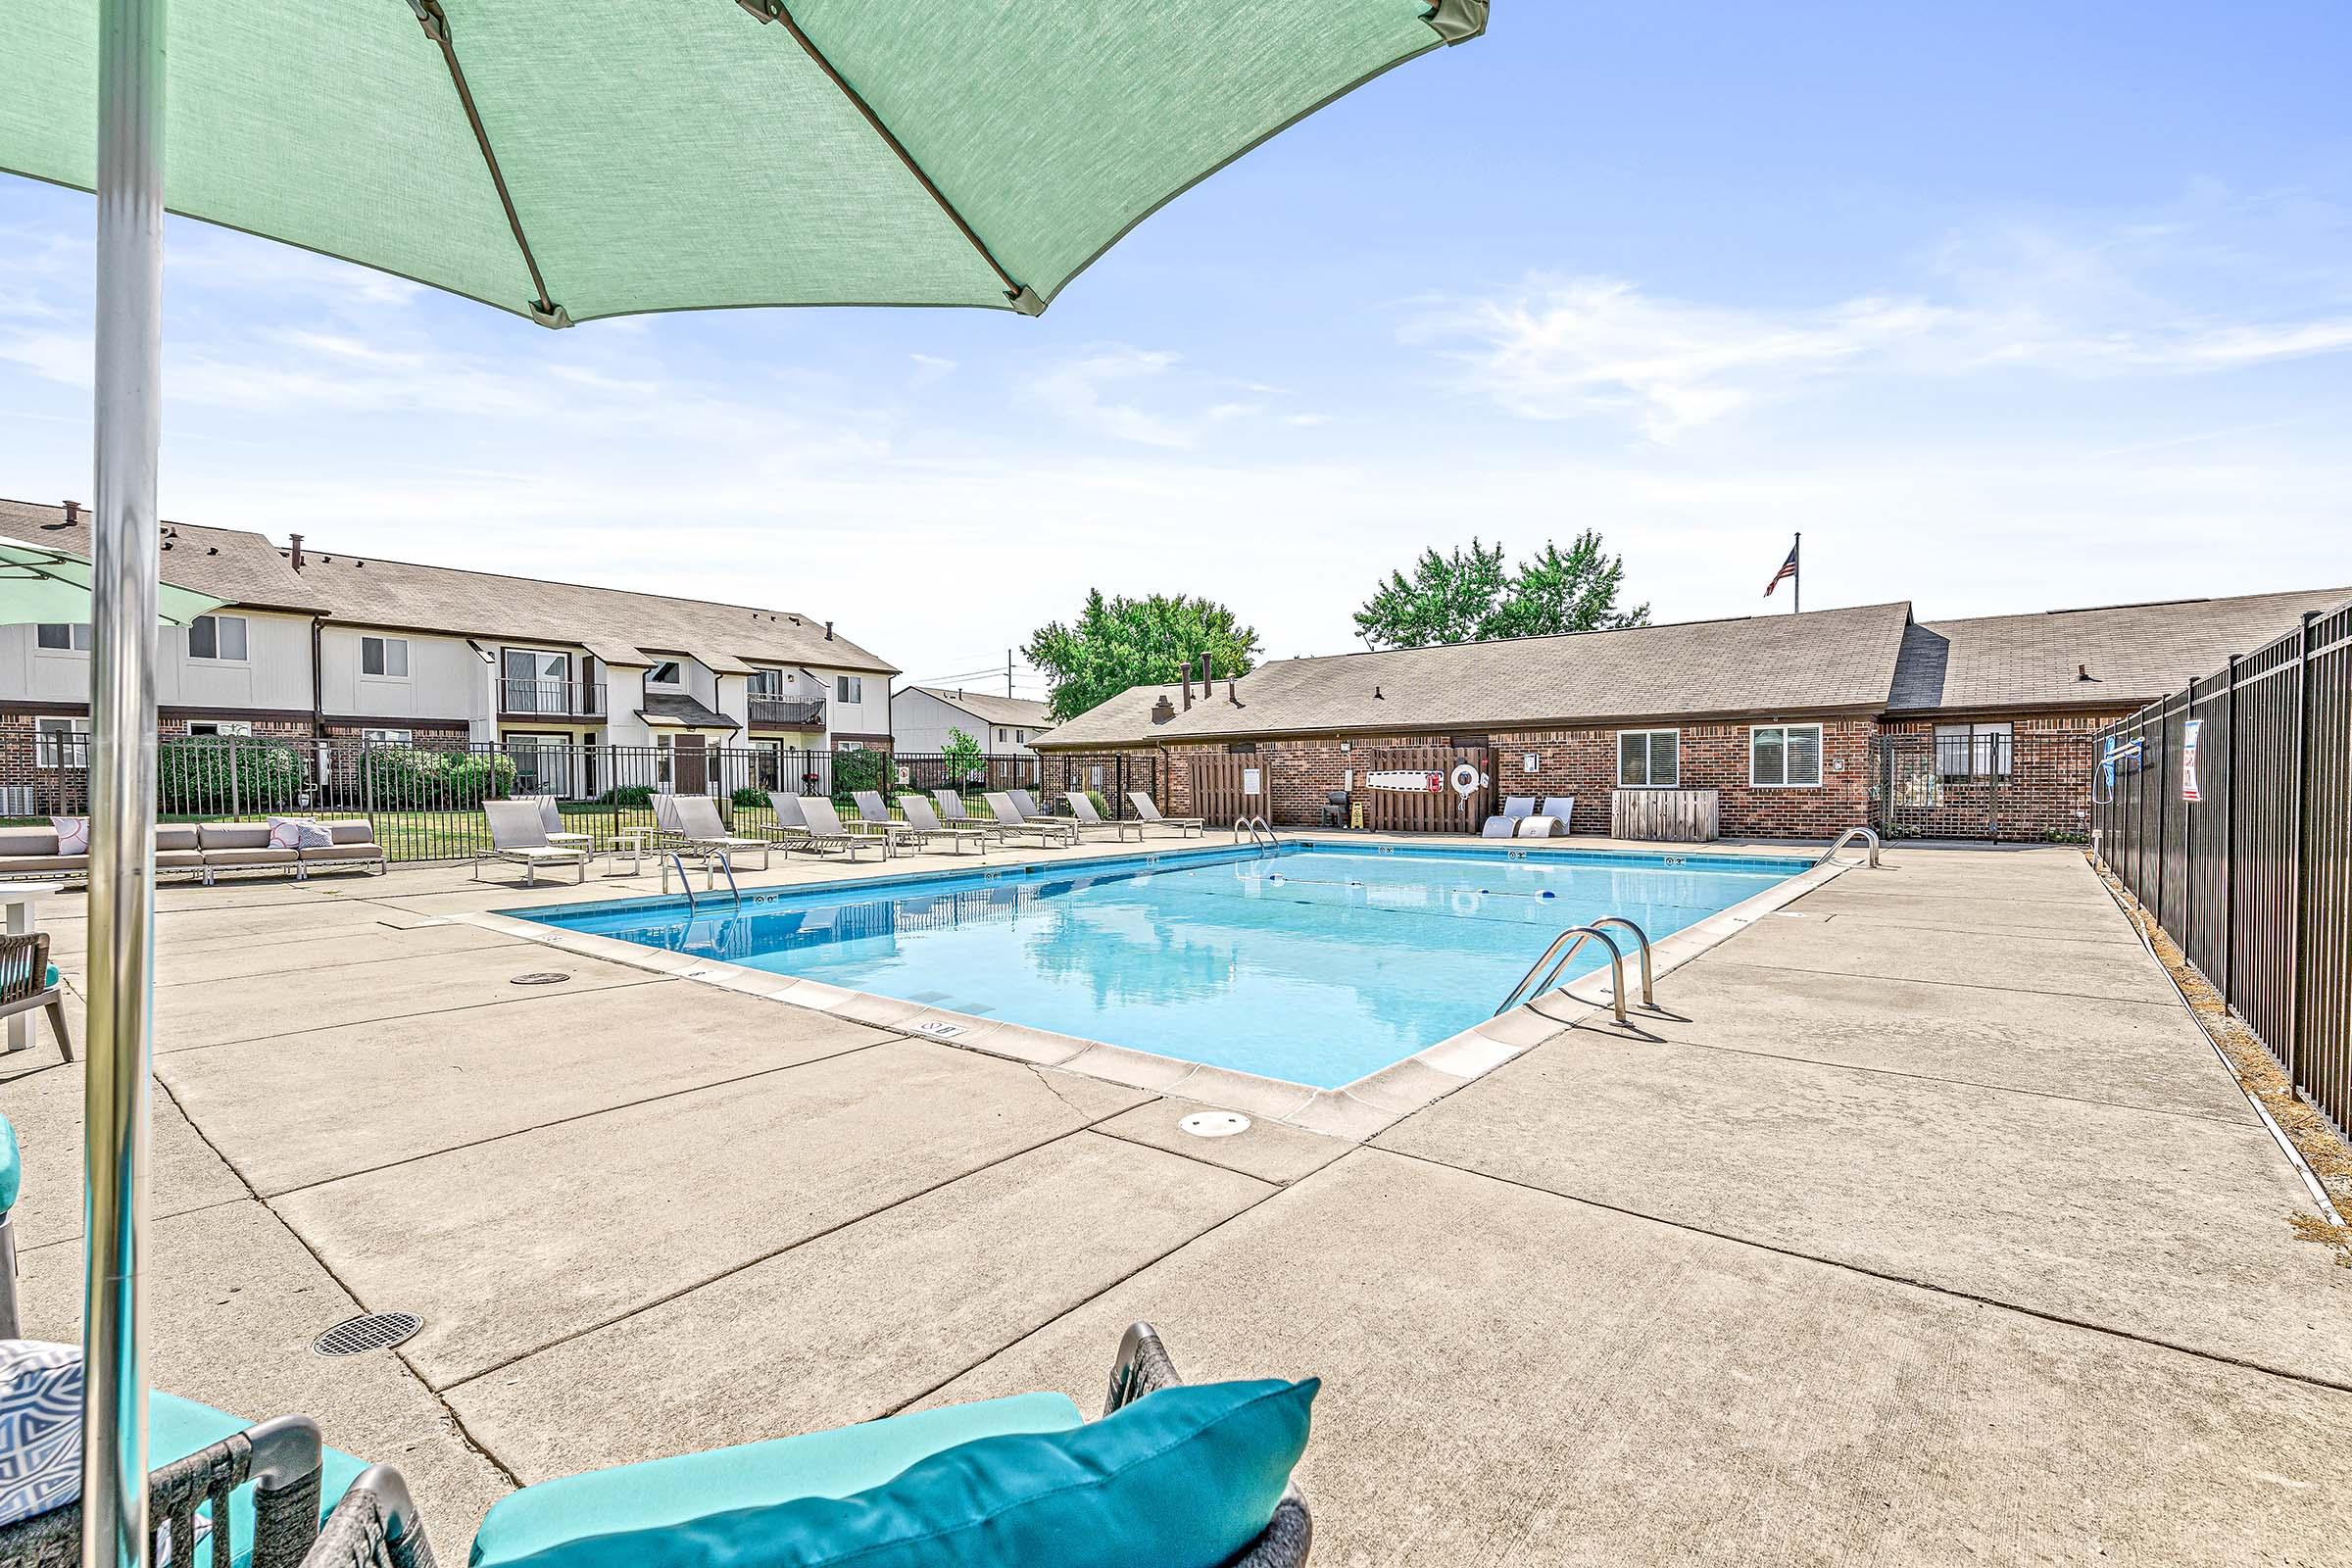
(208, 850)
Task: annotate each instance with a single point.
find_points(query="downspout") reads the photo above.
(318, 683)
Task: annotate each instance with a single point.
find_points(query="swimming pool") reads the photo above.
(1317, 965)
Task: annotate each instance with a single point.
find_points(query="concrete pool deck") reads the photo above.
(1929, 1227)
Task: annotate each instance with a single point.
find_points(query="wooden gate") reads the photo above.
(1222, 790)
(1394, 809)
(693, 764)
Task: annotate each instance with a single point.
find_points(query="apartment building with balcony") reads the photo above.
(322, 644)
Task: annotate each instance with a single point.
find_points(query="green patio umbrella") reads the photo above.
(38, 585)
(567, 160)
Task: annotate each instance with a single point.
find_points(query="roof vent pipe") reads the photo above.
(828, 631)
(2082, 672)
(1231, 695)
(1188, 685)
(73, 512)
(295, 540)
(1208, 677)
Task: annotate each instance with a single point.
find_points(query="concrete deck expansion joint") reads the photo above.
(1933, 1232)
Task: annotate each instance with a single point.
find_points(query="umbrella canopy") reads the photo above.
(37, 585)
(566, 160)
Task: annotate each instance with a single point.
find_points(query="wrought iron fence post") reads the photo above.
(2294, 860)
(2230, 838)
(235, 810)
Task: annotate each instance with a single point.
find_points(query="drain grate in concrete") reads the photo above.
(376, 1331)
(540, 977)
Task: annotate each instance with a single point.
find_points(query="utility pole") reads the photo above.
(1009, 672)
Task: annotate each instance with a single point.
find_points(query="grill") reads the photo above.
(377, 1331)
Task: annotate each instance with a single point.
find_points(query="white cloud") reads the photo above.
(930, 369)
(1077, 392)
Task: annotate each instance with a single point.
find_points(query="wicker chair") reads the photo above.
(280, 1457)
(24, 984)
(375, 1526)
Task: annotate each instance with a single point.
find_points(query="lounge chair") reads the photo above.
(1060, 830)
(1515, 809)
(12, 1182)
(926, 821)
(952, 812)
(691, 822)
(552, 820)
(719, 1492)
(1185, 826)
(1561, 809)
(1026, 803)
(790, 827)
(517, 838)
(827, 835)
(1082, 809)
(874, 817)
(271, 1482)
(28, 980)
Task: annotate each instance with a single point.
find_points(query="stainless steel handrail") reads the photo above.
(1251, 826)
(1867, 836)
(1575, 936)
(1650, 996)
(727, 863)
(671, 857)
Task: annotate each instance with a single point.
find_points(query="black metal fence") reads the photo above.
(424, 800)
(2227, 810)
(1983, 781)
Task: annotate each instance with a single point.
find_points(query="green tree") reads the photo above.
(963, 757)
(1120, 643)
(1471, 596)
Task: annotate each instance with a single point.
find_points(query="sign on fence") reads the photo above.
(2188, 758)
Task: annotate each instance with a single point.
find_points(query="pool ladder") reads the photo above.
(725, 862)
(1260, 831)
(1564, 948)
(1870, 841)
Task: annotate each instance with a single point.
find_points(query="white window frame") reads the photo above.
(46, 753)
(764, 682)
(848, 688)
(1647, 737)
(677, 667)
(389, 737)
(239, 729)
(1755, 734)
(244, 627)
(78, 638)
(1990, 748)
(384, 657)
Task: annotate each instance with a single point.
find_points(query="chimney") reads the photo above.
(1231, 695)
(828, 631)
(2082, 672)
(73, 512)
(295, 555)
(1188, 685)
(1208, 677)
(1164, 710)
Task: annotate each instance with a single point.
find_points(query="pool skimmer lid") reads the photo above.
(376, 1331)
(1214, 1123)
(540, 977)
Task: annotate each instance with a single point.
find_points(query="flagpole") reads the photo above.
(1796, 578)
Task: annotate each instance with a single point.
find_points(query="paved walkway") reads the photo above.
(1929, 1230)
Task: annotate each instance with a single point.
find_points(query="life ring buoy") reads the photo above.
(1465, 903)
(1466, 779)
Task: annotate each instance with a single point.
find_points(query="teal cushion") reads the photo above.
(1184, 1477)
(818, 1464)
(12, 1166)
(178, 1428)
(50, 981)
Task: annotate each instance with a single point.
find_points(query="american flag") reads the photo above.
(1788, 569)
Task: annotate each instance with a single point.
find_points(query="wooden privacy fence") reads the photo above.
(2227, 810)
(1677, 817)
(1227, 788)
(1418, 808)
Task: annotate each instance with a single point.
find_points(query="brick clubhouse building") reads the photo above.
(1800, 725)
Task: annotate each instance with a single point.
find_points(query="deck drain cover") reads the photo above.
(540, 977)
(375, 1332)
(1214, 1123)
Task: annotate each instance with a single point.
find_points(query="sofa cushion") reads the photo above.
(179, 860)
(17, 842)
(343, 851)
(72, 834)
(360, 832)
(21, 864)
(218, 858)
(1184, 1477)
(233, 835)
(815, 1464)
(177, 836)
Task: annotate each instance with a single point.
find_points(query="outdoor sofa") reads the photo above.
(203, 850)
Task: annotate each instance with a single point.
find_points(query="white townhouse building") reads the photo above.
(921, 717)
(322, 644)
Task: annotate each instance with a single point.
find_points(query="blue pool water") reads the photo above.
(1317, 965)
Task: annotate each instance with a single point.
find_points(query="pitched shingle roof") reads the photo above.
(2132, 653)
(619, 625)
(1825, 660)
(1020, 711)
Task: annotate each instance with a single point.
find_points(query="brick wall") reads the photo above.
(2045, 795)
(1582, 763)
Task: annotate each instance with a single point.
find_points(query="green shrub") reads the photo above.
(416, 776)
(192, 775)
(857, 771)
(1102, 807)
(637, 796)
(750, 796)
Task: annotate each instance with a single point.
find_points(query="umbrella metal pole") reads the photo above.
(121, 881)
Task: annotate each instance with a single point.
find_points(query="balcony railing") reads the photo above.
(564, 699)
(778, 712)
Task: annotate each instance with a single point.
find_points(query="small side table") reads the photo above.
(634, 842)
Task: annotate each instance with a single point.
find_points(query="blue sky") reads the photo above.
(2005, 306)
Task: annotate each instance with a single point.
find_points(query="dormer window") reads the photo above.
(665, 673)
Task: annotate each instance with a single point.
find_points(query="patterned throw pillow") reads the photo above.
(72, 834)
(40, 1427)
(298, 833)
